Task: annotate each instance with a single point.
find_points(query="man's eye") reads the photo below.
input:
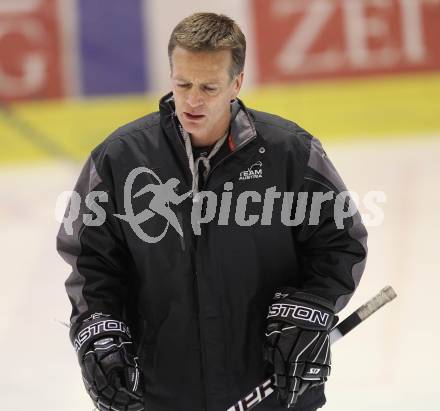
(210, 89)
(183, 85)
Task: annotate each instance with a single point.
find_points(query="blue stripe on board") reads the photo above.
(112, 46)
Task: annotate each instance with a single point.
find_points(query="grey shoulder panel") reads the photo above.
(357, 232)
(320, 163)
(69, 244)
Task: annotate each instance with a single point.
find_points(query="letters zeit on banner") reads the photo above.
(363, 22)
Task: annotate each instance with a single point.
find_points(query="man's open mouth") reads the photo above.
(191, 116)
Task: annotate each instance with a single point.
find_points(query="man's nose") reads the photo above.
(194, 98)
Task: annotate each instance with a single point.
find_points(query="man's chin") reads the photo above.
(192, 127)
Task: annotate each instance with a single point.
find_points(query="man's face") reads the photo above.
(202, 90)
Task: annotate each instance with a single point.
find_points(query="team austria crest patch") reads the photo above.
(254, 171)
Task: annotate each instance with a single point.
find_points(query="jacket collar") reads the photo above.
(243, 135)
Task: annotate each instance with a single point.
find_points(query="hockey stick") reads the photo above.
(267, 387)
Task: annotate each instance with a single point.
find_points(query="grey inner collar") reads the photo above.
(194, 165)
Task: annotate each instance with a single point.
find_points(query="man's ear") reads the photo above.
(238, 81)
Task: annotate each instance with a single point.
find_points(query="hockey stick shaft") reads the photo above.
(261, 392)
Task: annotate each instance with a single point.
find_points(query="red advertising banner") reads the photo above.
(308, 39)
(30, 56)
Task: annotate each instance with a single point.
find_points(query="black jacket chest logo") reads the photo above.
(255, 171)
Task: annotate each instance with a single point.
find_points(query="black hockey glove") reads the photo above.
(297, 342)
(109, 367)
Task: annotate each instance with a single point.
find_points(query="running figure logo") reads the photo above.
(163, 195)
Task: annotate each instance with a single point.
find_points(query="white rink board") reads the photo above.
(387, 363)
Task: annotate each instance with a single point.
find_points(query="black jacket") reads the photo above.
(197, 304)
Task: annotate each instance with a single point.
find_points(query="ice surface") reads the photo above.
(387, 363)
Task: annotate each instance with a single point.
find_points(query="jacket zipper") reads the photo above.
(201, 333)
(229, 155)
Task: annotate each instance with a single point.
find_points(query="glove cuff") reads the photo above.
(302, 309)
(96, 327)
(288, 292)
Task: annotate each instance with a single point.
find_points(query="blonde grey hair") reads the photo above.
(210, 32)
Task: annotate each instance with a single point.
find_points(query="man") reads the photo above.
(195, 319)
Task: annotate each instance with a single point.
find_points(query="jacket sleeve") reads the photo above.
(96, 252)
(332, 249)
